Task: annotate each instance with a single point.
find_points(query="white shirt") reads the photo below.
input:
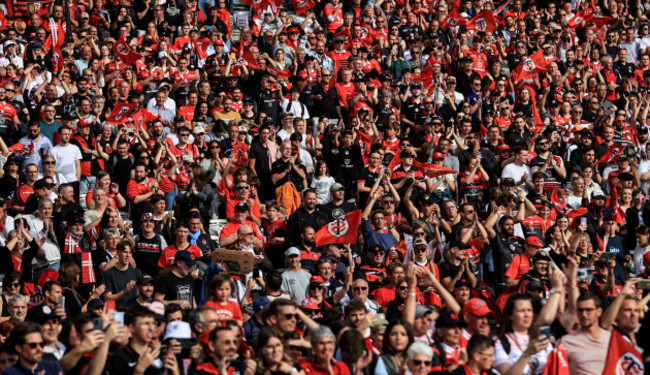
(169, 104)
(516, 172)
(65, 157)
(644, 167)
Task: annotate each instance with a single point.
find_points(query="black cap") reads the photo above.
(95, 303)
(448, 319)
(241, 207)
(456, 242)
(40, 184)
(508, 181)
(41, 314)
(535, 286)
(144, 279)
(542, 255)
(179, 118)
(463, 282)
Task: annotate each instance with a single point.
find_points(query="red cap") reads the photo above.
(646, 257)
(534, 241)
(476, 307)
(503, 148)
(218, 42)
(82, 123)
(310, 303)
(316, 279)
(438, 156)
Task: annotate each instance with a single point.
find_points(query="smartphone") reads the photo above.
(98, 324)
(62, 301)
(583, 221)
(607, 256)
(118, 317)
(643, 284)
(545, 331)
(584, 274)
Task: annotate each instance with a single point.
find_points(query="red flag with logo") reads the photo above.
(277, 73)
(622, 357)
(599, 21)
(124, 52)
(365, 141)
(346, 33)
(3, 21)
(577, 212)
(432, 170)
(611, 154)
(120, 112)
(483, 21)
(531, 65)
(578, 20)
(557, 362)
(301, 6)
(56, 37)
(343, 229)
(201, 47)
(500, 9)
(248, 60)
(22, 149)
(395, 161)
(453, 19)
(57, 59)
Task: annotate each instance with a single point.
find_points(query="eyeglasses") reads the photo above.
(421, 250)
(377, 253)
(34, 345)
(248, 234)
(419, 234)
(325, 75)
(185, 135)
(316, 287)
(388, 202)
(360, 288)
(49, 162)
(242, 187)
(291, 316)
(418, 362)
(15, 285)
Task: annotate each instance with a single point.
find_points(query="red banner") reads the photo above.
(453, 19)
(201, 47)
(622, 357)
(530, 66)
(277, 73)
(22, 149)
(120, 113)
(578, 20)
(611, 154)
(557, 362)
(432, 170)
(124, 52)
(483, 21)
(365, 141)
(301, 6)
(343, 230)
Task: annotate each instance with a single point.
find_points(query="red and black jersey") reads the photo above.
(373, 275)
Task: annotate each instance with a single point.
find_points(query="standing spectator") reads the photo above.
(68, 160)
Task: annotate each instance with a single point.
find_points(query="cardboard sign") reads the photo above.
(236, 261)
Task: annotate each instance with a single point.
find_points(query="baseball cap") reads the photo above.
(260, 303)
(147, 216)
(309, 303)
(178, 330)
(316, 280)
(291, 251)
(95, 303)
(198, 130)
(406, 154)
(503, 148)
(40, 184)
(508, 182)
(218, 42)
(456, 242)
(9, 43)
(477, 307)
(37, 45)
(419, 242)
(144, 279)
(336, 187)
(438, 156)
(534, 241)
(462, 282)
(447, 319)
(421, 311)
(185, 257)
(241, 207)
(597, 193)
(40, 314)
(542, 255)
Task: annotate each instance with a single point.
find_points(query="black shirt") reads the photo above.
(123, 362)
(176, 288)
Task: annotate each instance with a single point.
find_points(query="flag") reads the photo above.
(483, 21)
(22, 149)
(577, 212)
(365, 141)
(622, 357)
(531, 65)
(120, 112)
(87, 271)
(557, 362)
(56, 37)
(301, 6)
(71, 245)
(432, 170)
(453, 19)
(611, 154)
(277, 73)
(247, 59)
(3, 21)
(395, 161)
(578, 20)
(57, 59)
(343, 229)
(201, 47)
(346, 33)
(500, 9)
(599, 21)
(124, 52)
(49, 274)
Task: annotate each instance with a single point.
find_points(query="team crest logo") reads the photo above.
(453, 21)
(340, 226)
(629, 364)
(302, 4)
(529, 65)
(481, 25)
(123, 111)
(122, 49)
(33, 8)
(578, 20)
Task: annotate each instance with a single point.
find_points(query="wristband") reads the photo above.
(412, 287)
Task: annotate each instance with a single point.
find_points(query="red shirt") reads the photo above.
(230, 209)
(312, 368)
(134, 188)
(519, 266)
(385, 294)
(168, 255)
(228, 311)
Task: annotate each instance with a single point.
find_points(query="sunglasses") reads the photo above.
(360, 288)
(291, 316)
(34, 345)
(49, 162)
(389, 202)
(419, 234)
(242, 187)
(418, 362)
(421, 250)
(403, 287)
(377, 252)
(316, 287)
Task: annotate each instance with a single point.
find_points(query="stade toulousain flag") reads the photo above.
(342, 230)
(120, 113)
(453, 19)
(277, 73)
(483, 21)
(432, 170)
(578, 20)
(622, 357)
(301, 6)
(611, 154)
(531, 65)
(124, 52)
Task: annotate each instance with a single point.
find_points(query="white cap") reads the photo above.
(162, 54)
(291, 251)
(198, 129)
(178, 330)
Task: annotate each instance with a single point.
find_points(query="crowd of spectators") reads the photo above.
(487, 164)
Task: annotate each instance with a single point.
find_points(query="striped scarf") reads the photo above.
(71, 245)
(87, 271)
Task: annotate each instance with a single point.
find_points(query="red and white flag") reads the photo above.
(247, 59)
(531, 65)
(87, 271)
(301, 6)
(365, 142)
(612, 153)
(557, 362)
(343, 229)
(578, 20)
(483, 21)
(277, 73)
(622, 357)
(599, 21)
(122, 50)
(432, 170)
(201, 47)
(22, 149)
(56, 37)
(453, 19)
(71, 245)
(120, 113)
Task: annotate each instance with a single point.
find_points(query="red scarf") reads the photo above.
(87, 271)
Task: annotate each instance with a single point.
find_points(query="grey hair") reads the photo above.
(43, 201)
(17, 297)
(97, 190)
(110, 232)
(419, 348)
(196, 316)
(320, 333)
